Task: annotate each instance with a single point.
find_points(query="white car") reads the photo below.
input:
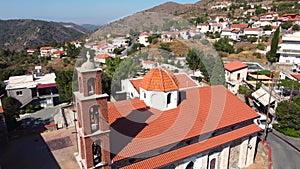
(261, 122)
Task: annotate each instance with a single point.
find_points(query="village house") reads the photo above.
(289, 18)
(120, 42)
(31, 51)
(58, 54)
(169, 36)
(149, 64)
(143, 38)
(167, 126)
(269, 16)
(101, 58)
(257, 32)
(231, 34)
(46, 51)
(211, 27)
(235, 74)
(39, 88)
(289, 51)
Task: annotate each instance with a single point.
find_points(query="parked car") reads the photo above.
(262, 121)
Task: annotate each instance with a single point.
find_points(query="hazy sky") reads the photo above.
(77, 11)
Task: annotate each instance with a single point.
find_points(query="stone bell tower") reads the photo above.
(92, 118)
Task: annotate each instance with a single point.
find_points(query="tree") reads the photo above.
(261, 46)
(223, 45)
(296, 27)
(193, 59)
(288, 114)
(126, 69)
(271, 55)
(217, 76)
(10, 107)
(72, 51)
(267, 28)
(286, 25)
(165, 46)
(64, 81)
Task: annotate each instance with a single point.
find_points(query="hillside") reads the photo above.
(140, 22)
(21, 34)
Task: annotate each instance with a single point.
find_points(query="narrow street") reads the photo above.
(284, 156)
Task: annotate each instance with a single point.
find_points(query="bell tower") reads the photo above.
(92, 118)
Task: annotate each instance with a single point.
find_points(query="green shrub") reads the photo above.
(287, 131)
(204, 41)
(239, 50)
(244, 90)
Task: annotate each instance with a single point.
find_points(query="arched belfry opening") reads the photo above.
(96, 149)
(94, 118)
(91, 86)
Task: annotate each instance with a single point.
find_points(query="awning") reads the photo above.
(42, 86)
(262, 96)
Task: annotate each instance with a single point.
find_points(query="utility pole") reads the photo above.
(268, 110)
(291, 96)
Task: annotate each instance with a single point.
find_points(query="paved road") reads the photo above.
(283, 155)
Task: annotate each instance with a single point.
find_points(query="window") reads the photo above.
(238, 76)
(144, 95)
(190, 165)
(19, 93)
(169, 98)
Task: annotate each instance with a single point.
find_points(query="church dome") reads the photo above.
(159, 79)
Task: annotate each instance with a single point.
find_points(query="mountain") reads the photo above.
(25, 33)
(79, 28)
(90, 27)
(171, 8)
(140, 22)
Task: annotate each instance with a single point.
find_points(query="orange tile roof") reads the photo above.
(236, 65)
(190, 150)
(183, 80)
(46, 48)
(148, 62)
(145, 34)
(136, 84)
(239, 25)
(296, 75)
(102, 56)
(59, 52)
(252, 29)
(1, 109)
(203, 110)
(160, 79)
(235, 31)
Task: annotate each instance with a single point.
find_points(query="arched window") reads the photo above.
(96, 148)
(91, 86)
(190, 165)
(94, 118)
(212, 163)
(169, 98)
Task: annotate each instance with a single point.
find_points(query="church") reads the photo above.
(167, 126)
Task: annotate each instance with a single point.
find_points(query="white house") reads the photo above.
(253, 32)
(290, 49)
(101, 58)
(230, 33)
(46, 50)
(148, 64)
(143, 38)
(120, 42)
(27, 88)
(235, 73)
